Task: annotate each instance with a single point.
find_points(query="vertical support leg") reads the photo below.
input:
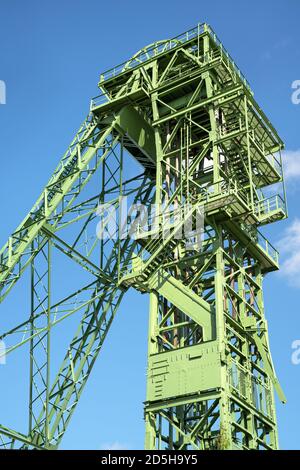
(40, 343)
(225, 439)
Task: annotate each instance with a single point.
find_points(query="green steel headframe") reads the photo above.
(186, 114)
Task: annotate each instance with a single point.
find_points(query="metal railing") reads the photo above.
(227, 57)
(153, 51)
(268, 248)
(261, 241)
(270, 204)
(276, 164)
(117, 92)
(224, 187)
(162, 47)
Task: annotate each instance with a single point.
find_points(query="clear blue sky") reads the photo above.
(51, 55)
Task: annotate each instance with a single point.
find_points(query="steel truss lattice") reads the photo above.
(187, 115)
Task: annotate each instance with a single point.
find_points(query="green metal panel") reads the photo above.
(138, 130)
(184, 372)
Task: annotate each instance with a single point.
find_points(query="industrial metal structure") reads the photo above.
(186, 114)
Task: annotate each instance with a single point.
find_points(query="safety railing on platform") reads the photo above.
(164, 46)
(239, 125)
(227, 57)
(261, 241)
(275, 162)
(117, 92)
(155, 50)
(270, 204)
(269, 249)
(158, 226)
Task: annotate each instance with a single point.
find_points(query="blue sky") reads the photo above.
(51, 55)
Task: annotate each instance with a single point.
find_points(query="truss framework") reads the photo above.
(185, 112)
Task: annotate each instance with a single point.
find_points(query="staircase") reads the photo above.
(159, 249)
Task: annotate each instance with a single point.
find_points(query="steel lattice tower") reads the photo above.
(183, 110)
